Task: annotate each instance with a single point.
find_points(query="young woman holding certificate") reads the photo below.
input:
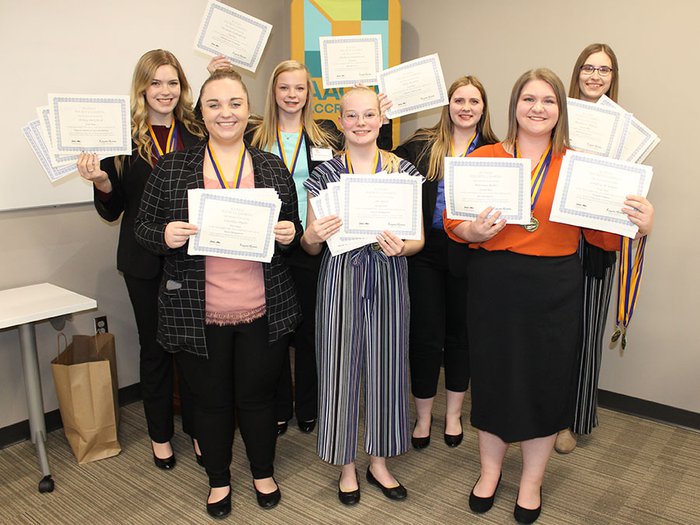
(436, 275)
(361, 317)
(524, 302)
(162, 121)
(595, 74)
(228, 320)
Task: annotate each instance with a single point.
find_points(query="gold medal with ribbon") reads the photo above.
(170, 143)
(629, 280)
(220, 173)
(537, 178)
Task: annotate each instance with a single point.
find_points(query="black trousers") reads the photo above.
(302, 397)
(237, 381)
(438, 320)
(156, 365)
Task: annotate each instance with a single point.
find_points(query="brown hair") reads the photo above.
(574, 87)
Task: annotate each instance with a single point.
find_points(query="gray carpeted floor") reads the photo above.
(630, 471)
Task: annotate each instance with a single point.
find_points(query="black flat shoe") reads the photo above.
(527, 516)
(282, 428)
(452, 440)
(421, 442)
(352, 497)
(479, 504)
(268, 501)
(307, 426)
(398, 492)
(222, 508)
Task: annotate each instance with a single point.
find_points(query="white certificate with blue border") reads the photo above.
(232, 33)
(32, 132)
(591, 191)
(234, 223)
(595, 128)
(45, 126)
(638, 140)
(350, 60)
(414, 86)
(473, 184)
(372, 204)
(98, 124)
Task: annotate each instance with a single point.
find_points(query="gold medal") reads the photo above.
(624, 341)
(532, 225)
(616, 335)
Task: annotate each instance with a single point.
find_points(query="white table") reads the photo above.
(22, 307)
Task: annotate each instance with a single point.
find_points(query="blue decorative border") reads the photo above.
(234, 200)
(648, 140)
(339, 40)
(125, 116)
(32, 133)
(602, 109)
(436, 75)
(487, 163)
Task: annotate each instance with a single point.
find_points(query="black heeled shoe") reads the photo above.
(307, 426)
(281, 428)
(222, 508)
(164, 463)
(454, 440)
(197, 457)
(421, 442)
(352, 497)
(527, 516)
(398, 492)
(270, 500)
(479, 504)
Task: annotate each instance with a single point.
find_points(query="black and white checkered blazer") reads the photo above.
(181, 302)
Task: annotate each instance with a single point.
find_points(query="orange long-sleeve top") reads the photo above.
(551, 239)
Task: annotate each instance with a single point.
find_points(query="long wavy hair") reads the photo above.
(439, 137)
(265, 135)
(574, 86)
(560, 132)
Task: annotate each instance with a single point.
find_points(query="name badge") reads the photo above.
(321, 154)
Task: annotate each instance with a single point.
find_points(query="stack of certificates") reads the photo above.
(369, 205)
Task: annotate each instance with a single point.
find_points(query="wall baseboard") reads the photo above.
(20, 431)
(648, 409)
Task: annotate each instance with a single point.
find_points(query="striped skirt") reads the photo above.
(362, 330)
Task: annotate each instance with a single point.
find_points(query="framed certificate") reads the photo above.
(350, 60)
(232, 33)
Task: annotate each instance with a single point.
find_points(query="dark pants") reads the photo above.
(156, 365)
(238, 380)
(302, 399)
(438, 320)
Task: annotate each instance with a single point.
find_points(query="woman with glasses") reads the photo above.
(362, 317)
(595, 74)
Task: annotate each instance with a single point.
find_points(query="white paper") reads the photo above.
(594, 128)
(327, 204)
(350, 60)
(33, 135)
(45, 127)
(637, 141)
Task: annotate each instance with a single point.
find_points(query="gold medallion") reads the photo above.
(624, 341)
(616, 335)
(532, 225)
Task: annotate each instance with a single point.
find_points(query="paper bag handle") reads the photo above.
(60, 336)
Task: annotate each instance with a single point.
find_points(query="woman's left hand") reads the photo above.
(284, 232)
(641, 213)
(390, 243)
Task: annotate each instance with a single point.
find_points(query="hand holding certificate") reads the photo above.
(350, 60)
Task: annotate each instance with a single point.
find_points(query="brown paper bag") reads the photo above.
(85, 375)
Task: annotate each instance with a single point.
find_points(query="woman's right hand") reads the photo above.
(485, 226)
(89, 169)
(178, 232)
(219, 62)
(321, 229)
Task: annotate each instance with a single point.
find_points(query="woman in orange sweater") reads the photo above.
(524, 302)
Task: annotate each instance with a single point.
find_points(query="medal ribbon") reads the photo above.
(539, 174)
(629, 280)
(219, 171)
(471, 147)
(297, 149)
(170, 144)
(377, 162)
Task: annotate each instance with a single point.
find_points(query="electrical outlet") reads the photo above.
(101, 325)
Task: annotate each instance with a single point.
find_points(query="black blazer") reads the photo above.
(181, 301)
(132, 258)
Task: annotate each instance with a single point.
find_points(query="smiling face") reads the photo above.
(162, 93)
(225, 110)
(466, 108)
(360, 118)
(291, 91)
(595, 85)
(537, 111)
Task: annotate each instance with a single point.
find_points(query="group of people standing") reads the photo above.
(493, 303)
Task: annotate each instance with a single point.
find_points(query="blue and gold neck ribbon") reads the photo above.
(297, 149)
(471, 147)
(220, 173)
(539, 174)
(377, 162)
(170, 144)
(629, 280)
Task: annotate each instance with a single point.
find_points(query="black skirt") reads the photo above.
(524, 336)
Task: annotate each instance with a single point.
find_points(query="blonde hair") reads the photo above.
(265, 134)
(575, 87)
(560, 133)
(439, 137)
(144, 72)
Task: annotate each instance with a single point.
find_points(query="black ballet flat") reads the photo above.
(307, 426)
(268, 501)
(352, 497)
(222, 508)
(479, 504)
(421, 442)
(527, 516)
(454, 440)
(397, 493)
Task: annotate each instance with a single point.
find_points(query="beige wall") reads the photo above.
(497, 41)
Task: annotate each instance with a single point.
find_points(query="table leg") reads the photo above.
(35, 401)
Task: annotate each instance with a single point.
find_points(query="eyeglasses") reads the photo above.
(351, 116)
(603, 71)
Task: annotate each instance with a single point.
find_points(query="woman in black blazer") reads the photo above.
(162, 121)
(436, 274)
